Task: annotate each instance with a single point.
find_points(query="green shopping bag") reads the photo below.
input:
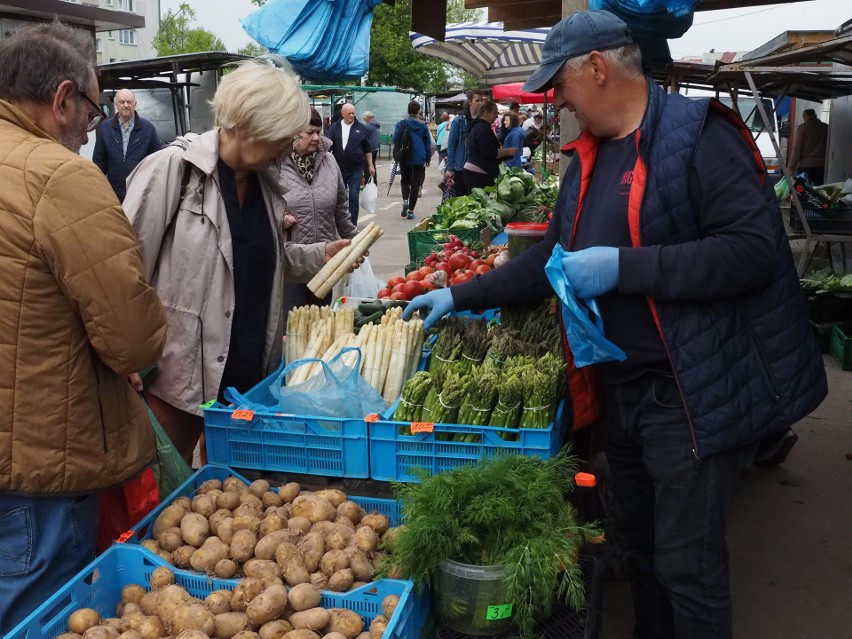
(170, 470)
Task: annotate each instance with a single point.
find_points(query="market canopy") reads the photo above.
(512, 93)
(484, 50)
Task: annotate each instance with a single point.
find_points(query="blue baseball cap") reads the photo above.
(577, 34)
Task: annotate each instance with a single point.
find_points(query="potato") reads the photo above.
(304, 597)
(261, 568)
(208, 485)
(320, 580)
(69, 635)
(127, 634)
(333, 495)
(169, 518)
(112, 622)
(346, 622)
(192, 634)
(225, 532)
(270, 580)
(161, 577)
(332, 561)
(152, 627)
(289, 559)
(128, 608)
(170, 539)
(184, 503)
(286, 511)
(228, 501)
(83, 619)
(215, 518)
(289, 492)
(389, 537)
(314, 508)
(274, 629)
(344, 521)
(194, 528)
(335, 540)
(379, 523)
(334, 635)
(100, 632)
(182, 556)
(311, 619)
(150, 544)
(150, 603)
(358, 584)
(218, 602)
(268, 605)
(341, 580)
(364, 635)
(165, 556)
(245, 591)
(366, 539)
(225, 568)
(203, 505)
(378, 626)
(271, 523)
(246, 522)
(230, 623)
(312, 547)
(193, 617)
(169, 599)
(242, 546)
(270, 499)
(205, 558)
(258, 487)
(266, 546)
(361, 567)
(132, 593)
(235, 485)
(376, 558)
(299, 523)
(250, 505)
(389, 605)
(301, 633)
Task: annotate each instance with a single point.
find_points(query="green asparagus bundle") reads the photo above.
(510, 396)
(452, 393)
(476, 407)
(475, 342)
(448, 348)
(411, 399)
(542, 384)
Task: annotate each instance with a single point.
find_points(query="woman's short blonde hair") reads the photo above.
(263, 100)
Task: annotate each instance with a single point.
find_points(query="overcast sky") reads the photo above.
(729, 30)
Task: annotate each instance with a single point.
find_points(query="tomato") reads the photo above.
(397, 288)
(476, 264)
(399, 296)
(385, 292)
(396, 279)
(443, 266)
(490, 259)
(426, 270)
(412, 289)
(427, 285)
(482, 268)
(414, 276)
(461, 277)
(458, 260)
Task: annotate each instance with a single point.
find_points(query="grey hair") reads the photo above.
(38, 58)
(627, 58)
(263, 100)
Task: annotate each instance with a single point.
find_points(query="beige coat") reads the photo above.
(76, 317)
(186, 248)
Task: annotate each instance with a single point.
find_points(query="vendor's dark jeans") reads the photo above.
(671, 511)
(353, 184)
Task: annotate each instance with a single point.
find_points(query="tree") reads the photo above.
(176, 35)
(252, 48)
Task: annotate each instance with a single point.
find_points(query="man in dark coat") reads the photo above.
(124, 141)
(351, 147)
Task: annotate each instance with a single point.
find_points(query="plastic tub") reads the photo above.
(470, 600)
(523, 235)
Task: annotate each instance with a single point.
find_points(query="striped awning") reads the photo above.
(483, 49)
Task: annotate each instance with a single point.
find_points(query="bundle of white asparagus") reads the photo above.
(390, 351)
(341, 263)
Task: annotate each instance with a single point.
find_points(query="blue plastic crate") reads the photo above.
(99, 586)
(189, 488)
(271, 440)
(394, 456)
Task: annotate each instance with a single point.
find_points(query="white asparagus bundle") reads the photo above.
(341, 263)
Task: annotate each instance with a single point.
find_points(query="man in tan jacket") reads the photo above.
(809, 145)
(77, 318)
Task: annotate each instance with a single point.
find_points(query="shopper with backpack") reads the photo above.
(413, 147)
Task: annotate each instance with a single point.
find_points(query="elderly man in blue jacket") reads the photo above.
(667, 219)
(124, 141)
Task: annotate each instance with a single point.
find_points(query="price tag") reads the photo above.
(372, 418)
(123, 537)
(207, 404)
(495, 613)
(243, 415)
(422, 427)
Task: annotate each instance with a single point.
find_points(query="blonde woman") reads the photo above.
(209, 216)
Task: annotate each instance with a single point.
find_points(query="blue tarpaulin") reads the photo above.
(323, 39)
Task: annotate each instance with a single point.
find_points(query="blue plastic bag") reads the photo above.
(336, 391)
(585, 339)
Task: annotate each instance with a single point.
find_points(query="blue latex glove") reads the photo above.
(440, 301)
(592, 271)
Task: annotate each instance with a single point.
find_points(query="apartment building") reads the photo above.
(118, 45)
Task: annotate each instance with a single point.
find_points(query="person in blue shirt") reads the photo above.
(413, 170)
(456, 148)
(514, 139)
(442, 134)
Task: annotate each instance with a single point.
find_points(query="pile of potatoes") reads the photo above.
(230, 529)
(255, 609)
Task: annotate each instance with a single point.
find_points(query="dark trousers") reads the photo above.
(459, 185)
(474, 180)
(412, 177)
(300, 295)
(670, 512)
(353, 184)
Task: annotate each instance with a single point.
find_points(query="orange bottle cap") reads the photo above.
(587, 480)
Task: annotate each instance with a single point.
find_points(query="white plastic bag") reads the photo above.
(367, 199)
(361, 282)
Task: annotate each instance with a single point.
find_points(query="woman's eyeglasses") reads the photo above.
(96, 118)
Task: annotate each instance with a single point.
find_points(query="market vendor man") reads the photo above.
(667, 220)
